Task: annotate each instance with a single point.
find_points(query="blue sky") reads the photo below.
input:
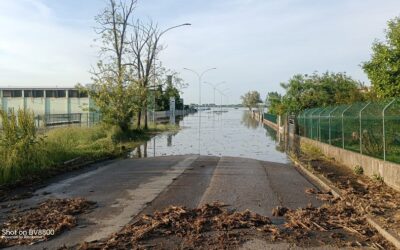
(255, 44)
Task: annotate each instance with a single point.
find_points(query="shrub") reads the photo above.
(21, 149)
(313, 153)
(358, 170)
(377, 177)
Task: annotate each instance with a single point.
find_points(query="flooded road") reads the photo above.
(239, 166)
(232, 133)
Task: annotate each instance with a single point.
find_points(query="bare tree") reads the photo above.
(144, 48)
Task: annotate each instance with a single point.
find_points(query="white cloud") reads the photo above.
(36, 49)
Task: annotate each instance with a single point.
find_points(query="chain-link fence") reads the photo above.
(371, 128)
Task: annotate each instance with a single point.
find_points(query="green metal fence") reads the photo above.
(370, 128)
(271, 117)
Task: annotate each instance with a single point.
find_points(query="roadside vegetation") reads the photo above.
(251, 99)
(26, 154)
(125, 84)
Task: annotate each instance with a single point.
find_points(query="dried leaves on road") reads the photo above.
(192, 227)
(43, 222)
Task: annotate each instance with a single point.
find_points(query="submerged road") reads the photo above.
(126, 188)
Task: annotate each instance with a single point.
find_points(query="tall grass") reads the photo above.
(24, 153)
(21, 149)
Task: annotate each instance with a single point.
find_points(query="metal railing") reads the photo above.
(370, 128)
(53, 120)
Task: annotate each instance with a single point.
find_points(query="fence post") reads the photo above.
(383, 128)
(330, 130)
(343, 124)
(311, 114)
(305, 125)
(361, 125)
(319, 123)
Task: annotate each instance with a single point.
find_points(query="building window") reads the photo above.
(50, 93)
(12, 93)
(6, 93)
(38, 93)
(28, 93)
(33, 93)
(60, 93)
(73, 93)
(55, 93)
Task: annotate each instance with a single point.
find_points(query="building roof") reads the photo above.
(37, 88)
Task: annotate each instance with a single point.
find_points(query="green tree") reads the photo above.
(383, 69)
(309, 91)
(251, 99)
(274, 103)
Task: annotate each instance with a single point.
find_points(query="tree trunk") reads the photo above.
(124, 127)
(145, 117)
(139, 119)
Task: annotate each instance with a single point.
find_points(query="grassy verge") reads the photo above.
(27, 156)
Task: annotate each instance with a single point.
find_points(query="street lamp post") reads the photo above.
(199, 78)
(154, 80)
(222, 94)
(214, 86)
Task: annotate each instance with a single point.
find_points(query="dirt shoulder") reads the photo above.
(369, 196)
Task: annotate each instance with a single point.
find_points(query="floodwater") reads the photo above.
(230, 133)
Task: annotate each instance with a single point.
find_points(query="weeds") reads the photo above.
(313, 153)
(25, 154)
(377, 177)
(358, 170)
(21, 149)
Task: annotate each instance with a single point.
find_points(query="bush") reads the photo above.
(358, 170)
(22, 151)
(377, 177)
(313, 153)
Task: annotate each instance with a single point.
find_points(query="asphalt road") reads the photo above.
(126, 188)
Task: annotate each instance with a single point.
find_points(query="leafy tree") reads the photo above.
(308, 91)
(384, 67)
(251, 99)
(171, 90)
(274, 103)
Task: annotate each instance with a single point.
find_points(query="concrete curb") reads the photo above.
(323, 182)
(327, 185)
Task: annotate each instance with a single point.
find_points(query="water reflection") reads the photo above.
(248, 121)
(232, 133)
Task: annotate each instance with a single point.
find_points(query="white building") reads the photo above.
(47, 102)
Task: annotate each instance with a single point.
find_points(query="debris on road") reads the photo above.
(323, 196)
(367, 196)
(336, 223)
(338, 214)
(279, 211)
(48, 219)
(192, 227)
